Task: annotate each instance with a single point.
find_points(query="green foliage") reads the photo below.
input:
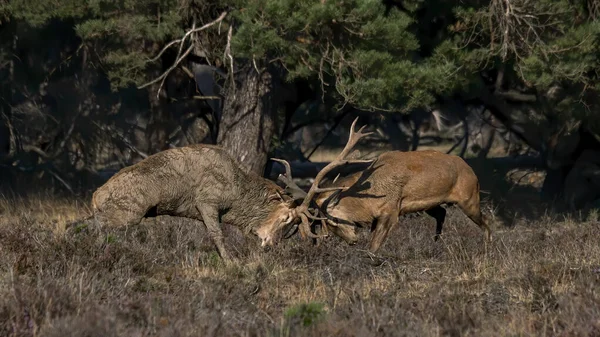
(213, 259)
(110, 238)
(541, 45)
(357, 52)
(4, 12)
(81, 227)
(37, 13)
(570, 58)
(124, 34)
(305, 314)
(126, 67)
(130, 32)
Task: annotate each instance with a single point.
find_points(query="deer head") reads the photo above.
(292, 216)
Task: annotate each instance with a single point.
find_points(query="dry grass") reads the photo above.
(164, 278)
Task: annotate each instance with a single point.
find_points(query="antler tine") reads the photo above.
(330, 189)
(302, 211)
(288, 168)
(296, 191)
(340, 160)
(353, 139)
(336, 178)
(315, 216)
(304, 227)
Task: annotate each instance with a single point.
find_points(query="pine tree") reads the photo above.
(535, 65)
(542, 53)
(357, 52)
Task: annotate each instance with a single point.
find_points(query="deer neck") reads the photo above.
(252, 207)
(343, 181)
(344, 202)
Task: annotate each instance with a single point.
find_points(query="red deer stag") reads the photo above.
(205, 183)
(398, 183)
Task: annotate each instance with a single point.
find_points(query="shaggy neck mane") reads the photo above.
(252, 208)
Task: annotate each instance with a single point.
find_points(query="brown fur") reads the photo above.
(201, 182)
(399, 183)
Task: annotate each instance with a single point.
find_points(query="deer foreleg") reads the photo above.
(384, 225)
(210, 217)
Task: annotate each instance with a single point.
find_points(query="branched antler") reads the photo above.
(340, 160)
(303, 211)
(294, 190)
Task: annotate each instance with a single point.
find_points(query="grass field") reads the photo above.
(164, 278)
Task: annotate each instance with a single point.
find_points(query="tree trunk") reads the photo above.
(8, 137)
(247, 124)
(156, 129)
(397, 138)
(514, 119)
(489, 134)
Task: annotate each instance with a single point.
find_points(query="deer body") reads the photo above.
(201, 182)
(205, 183)
(398, 183)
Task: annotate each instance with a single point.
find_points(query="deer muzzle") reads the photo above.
(267, 241)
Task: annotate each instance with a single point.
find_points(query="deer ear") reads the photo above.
(280, 196)
(276, 196)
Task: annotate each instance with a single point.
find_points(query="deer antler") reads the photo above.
(295, 191)
(302, 211)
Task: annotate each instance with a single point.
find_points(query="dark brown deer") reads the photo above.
(398, 183)
(205, 183)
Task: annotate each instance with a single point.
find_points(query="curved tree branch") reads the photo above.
(180, 56)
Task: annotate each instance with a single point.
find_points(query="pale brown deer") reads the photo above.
(205, 183)
(398, 183)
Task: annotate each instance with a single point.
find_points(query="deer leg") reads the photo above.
(439, 214)
(473, 211)
(382, 229)
(210, 217)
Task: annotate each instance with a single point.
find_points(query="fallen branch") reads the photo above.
(61, 180)
(206, 97)
(39, 151)
(66, 138)
(513, 95)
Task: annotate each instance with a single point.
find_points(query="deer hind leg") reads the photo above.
(439, 214)
(472, 209)
(210, 217)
